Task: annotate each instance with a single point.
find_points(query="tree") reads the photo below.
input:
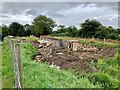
(102, 33)
(5, 30)
(42, 25)
(21, 31)
(90, 27)
(106, 32)
(72, 31)
(114, 36)
(112, 30)
(118, 30)
(27, 29)
(61, 29)
(14, 27)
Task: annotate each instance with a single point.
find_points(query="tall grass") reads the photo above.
(7, 66)
(108, 73)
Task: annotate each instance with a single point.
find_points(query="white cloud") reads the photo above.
(82, 10)
(79, 14)
(21, 18)
(110, 19)
(74, 14)
(95, 18)
(27, 10)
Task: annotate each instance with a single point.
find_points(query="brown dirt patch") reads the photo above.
(78, 61)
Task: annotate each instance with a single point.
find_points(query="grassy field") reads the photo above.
(39, 75)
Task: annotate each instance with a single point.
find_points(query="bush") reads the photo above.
(114, 36)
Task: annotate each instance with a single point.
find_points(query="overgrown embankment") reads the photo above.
(42, 76)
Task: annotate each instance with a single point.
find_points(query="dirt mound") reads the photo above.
(67, 62)
(65, 59)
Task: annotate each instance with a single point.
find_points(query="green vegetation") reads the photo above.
(104, 79)
(89, 29)
(38, 75)
(43, 25)
(16, 29)
(99, 43)
(108, 73)
(7, 66)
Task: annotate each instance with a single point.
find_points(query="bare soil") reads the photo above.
(79, 61)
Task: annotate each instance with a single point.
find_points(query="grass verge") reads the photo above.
(7, 66)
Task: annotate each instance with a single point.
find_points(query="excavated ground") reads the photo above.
(77, 60)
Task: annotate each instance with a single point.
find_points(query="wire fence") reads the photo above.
(15, 48)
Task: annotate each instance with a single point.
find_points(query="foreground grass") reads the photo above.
(37, 75)
(7, 74)
(7, 66)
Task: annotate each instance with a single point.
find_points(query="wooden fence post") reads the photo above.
(16, 60)
(11, 43)
(104, 40)
(19, 62)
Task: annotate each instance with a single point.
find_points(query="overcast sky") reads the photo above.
(67, 13)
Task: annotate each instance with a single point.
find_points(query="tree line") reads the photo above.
(43, 25)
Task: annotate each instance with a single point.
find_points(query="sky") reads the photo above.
(63, 13)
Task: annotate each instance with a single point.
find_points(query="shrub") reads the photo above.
(114, 36)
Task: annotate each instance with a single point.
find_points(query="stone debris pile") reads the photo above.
(70, 55)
